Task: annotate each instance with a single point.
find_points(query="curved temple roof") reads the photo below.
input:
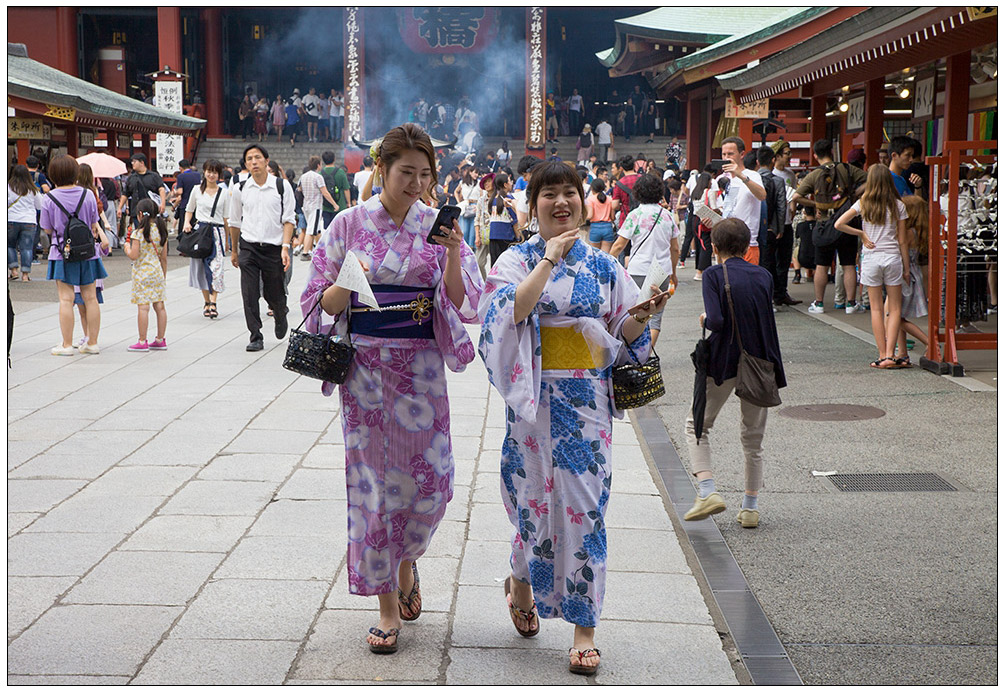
(30, 79)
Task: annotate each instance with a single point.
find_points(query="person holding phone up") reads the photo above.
(654, 236)
(556, 316)
(395, 413)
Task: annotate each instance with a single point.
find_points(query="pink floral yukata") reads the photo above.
(395, 414)
(556, 462)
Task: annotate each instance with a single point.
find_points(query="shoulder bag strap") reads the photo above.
(213, 211)
(640, 244)
(730, 303)
(14, 202)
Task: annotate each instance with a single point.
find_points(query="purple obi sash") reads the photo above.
(406, 313)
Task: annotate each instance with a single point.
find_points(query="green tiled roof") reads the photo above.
(33, 80)
(788, 19)
(691, 25)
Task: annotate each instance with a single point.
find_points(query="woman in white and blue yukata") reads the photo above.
(555, 319)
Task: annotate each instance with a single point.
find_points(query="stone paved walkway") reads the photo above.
(178, 517)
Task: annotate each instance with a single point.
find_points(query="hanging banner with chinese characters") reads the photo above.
(447, 29)
(535, 116)
(751, 109)
(168, 95)
(352, 43)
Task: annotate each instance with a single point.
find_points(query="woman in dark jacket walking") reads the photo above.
(751, 292)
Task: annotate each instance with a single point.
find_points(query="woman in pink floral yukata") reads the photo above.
(395, 414)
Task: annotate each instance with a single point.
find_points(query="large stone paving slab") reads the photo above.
(201, 497)
(28, 597)
(74, 640)
(337, 649)
(192, 533)
(253, 610)
(284, 558)
(145, 577)
(54, 554)
(218, 663)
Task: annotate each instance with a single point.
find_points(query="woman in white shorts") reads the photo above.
(885, 256)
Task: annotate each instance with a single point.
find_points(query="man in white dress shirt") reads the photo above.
(261, 220)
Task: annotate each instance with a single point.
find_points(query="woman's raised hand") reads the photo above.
(556, 247)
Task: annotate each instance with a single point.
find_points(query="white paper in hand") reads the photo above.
(351, 277)
(708, 216)
(654, 277)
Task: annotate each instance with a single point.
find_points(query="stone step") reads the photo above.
(229, 150)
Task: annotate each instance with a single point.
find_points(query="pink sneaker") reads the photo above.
(159, 345)
(139, 346)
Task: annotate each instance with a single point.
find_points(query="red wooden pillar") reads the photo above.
(23, 150)
(113, 142)
(66, 40)
(873, 122)
(694, 147)
(955, 105)
(534, 110)
(745, 129)
(213, 75)
(72, 139)
(818, 120)
(145, 149)
(169, 38)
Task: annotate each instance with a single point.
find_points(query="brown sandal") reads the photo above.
(582, 668)
(519, 616)
(406, 602)
(384, 649)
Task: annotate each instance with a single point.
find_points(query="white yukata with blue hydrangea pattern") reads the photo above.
(556, 457)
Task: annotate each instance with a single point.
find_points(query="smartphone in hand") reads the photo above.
(654, 297)
(447, 216)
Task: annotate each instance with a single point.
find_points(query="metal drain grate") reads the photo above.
(891, 483)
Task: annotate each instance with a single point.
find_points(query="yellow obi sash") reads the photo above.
(564, 348)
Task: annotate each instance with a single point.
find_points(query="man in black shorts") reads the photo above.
(847, 246)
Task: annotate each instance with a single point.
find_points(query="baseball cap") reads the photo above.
(856, 156)
(668, 174)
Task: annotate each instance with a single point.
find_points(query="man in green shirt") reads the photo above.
(338, 187)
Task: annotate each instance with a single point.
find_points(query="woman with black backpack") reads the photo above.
(68, 212)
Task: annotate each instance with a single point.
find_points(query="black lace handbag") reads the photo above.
(636, 384)
(319, 356)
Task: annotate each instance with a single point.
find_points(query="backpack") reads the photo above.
(830, 187)
(78, 241)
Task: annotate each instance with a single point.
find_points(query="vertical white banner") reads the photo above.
(353, 77)
(170, 148)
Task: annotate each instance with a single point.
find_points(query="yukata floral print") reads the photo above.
(395, 413)
(556, 457)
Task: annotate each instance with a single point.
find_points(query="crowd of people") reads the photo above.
(549, 258)
(318, 117)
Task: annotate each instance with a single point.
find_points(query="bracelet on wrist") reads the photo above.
(549, 261)
(643, 321)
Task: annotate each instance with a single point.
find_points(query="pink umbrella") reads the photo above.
(103, 165)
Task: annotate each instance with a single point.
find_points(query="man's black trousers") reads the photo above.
(261, 261)
(776, 256)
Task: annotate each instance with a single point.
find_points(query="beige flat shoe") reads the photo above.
(748, 518)
(704, 507)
